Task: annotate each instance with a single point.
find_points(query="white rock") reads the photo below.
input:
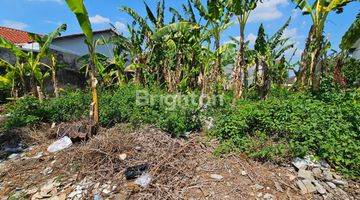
(243, 173)
(123, 156)
(216, 177)
(305, 174)
(327, 175)
(340, 182)
(258, 187)
(268, 196)
(332, 185)
(300, 163)
(60, 144)
(319, 188)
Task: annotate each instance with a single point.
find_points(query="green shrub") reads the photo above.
(116, 106)
(25, 111)
(28, 110)
(296, 126)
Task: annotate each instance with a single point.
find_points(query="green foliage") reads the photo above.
(351, 71)
(117, 106)
(296, 126)
(28, 110)
(352, 35)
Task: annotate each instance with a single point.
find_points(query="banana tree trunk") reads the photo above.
(55, 83)
(266, 81)
(94, 113)
(217, 68)
(238, 79)
(40, 93)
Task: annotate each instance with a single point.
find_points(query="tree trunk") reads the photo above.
(217, 68)
(55, 83)
(305, 62)
(94, 114)
(266, 82)
(239, 68)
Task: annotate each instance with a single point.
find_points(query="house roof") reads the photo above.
(82, 34)
(15, 36)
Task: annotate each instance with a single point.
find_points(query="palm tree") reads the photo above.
(242, 10)
(311, 68)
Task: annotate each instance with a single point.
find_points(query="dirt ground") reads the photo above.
(179, 169)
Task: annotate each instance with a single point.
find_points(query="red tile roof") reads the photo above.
(15, 36)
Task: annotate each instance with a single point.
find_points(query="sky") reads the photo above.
(43, 16)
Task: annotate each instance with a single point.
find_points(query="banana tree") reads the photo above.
(179, 40)
(311, 68)
(242, 10)
(79, 10)
(14, 72)
(218, 20)
(13, 77)
(34, 60)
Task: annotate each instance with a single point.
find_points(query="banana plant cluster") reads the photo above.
(28, 72)
(311, 67)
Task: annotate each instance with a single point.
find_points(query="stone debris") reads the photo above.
(217, 177)
(306, 175)
(309, 186)
(123, 156)
(319, 187)
(258, 187)
(316, 177)
(331, 185)
(278, 186)
(317, 172)
(340, 182)
(268, 196)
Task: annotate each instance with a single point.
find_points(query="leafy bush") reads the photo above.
(28, 110)
(116, 106)
(295, 126)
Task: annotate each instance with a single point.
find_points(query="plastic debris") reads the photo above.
(135, 171)
(60, 144)
(144, 180)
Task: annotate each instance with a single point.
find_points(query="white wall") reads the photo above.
(356, 53)
(76, 45)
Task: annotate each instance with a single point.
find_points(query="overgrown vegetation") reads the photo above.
(118, 106)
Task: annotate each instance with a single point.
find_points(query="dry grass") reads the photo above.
(180, 169)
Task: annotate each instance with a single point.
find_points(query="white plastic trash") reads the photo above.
(60, 144)
(144, 180)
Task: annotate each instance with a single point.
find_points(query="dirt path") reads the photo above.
(179, 169)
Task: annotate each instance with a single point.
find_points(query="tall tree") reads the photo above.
(218, 20)
(78, 8)
(242, 10)
(311, 65)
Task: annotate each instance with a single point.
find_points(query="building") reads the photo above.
(67, 49)
(74, 44)
(356, 50)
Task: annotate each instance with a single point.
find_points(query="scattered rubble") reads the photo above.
(317, 177)
(217, 177)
